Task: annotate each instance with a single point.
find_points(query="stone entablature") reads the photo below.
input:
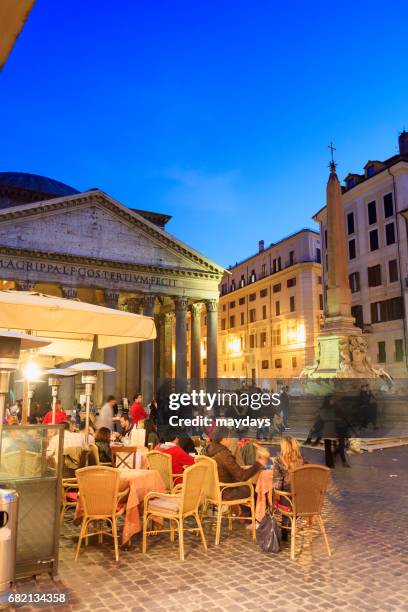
(80, 272)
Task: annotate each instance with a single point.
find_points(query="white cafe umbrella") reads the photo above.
(70, 325)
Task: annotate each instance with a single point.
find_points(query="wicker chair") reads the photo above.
(161, 462)
(69, 495)
(213, 490)
(308, 488)
(177, 506)
(99, 492)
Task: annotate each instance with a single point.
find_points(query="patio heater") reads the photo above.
(55, 378)
(89, 371)
(31, 374)
(11, 343)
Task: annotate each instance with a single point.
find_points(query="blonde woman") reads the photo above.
(288, 459)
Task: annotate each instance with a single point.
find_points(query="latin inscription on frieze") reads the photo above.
(80, 273)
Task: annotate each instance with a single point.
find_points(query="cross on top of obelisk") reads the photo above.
(332, 162)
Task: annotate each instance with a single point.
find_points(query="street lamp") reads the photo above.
(89, 371)
(55, 378)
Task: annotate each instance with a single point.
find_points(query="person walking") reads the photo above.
(105, 417)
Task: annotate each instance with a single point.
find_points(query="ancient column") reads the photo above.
(147, 352)
(168, 345)
(134, 305)
(195, 344)
(212, 339)
(181, 340)
(161, 343)
(110, 354)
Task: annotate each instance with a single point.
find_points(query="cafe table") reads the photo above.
(139, 482)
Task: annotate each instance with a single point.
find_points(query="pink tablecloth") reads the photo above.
(263, 488)
(139, 482)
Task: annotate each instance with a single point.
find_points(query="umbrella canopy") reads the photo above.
(71, 326)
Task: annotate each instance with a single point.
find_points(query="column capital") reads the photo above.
(24, 285)
(169, 316)
(180, 302)
(70, 293)
(196, 309)
(111, 298)
(134, 305)
(211, 305)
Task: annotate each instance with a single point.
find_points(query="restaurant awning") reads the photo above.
(70, 325)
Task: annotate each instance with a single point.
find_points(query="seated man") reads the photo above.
(71, 440)
(228, 468)
(179, 458)
(125, 427)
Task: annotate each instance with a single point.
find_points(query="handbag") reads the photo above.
(268, 534)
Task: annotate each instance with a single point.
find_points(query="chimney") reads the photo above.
(261, 243)
(403, 143)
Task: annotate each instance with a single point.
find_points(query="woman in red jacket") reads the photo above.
(179, 458)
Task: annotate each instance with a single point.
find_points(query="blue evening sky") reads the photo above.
(218, 112)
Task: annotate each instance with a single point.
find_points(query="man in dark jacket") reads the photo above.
(228, 468)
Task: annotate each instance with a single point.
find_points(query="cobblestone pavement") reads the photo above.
(366, 514)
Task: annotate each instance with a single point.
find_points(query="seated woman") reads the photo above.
(228, 468)
(152, 439)
(102, 441)
(288, 459)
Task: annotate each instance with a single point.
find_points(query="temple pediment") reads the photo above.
(94, 225)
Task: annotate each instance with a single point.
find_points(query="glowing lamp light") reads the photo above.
(234, 346)
(32, 371)
(301, 333)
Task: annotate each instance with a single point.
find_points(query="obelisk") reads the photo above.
(342, 347)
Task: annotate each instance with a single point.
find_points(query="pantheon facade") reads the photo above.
(88, 246)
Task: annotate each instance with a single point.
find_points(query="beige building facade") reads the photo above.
(270, 310)
(375, 206)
